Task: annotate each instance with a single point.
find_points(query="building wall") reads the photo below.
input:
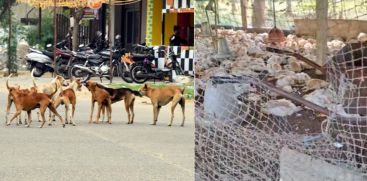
(143, 20)
(154, 22)
(170, 22)
(157, 23)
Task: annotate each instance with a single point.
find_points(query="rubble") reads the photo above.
(280, 107)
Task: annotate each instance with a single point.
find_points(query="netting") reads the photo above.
(246, 130)
(286, 11)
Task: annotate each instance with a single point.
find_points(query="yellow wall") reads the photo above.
(157, 23)
(170, 22)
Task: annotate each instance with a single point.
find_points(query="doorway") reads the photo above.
(132, 27)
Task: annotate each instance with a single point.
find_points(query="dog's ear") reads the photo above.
(146, 86)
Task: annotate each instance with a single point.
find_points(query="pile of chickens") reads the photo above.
(249, 57)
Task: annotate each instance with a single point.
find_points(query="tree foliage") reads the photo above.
(4, 5)
(47, 31)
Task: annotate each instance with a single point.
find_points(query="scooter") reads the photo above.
(41, 61)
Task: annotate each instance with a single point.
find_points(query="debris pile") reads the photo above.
(249, 57)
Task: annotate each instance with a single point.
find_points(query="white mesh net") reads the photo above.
(246, 131)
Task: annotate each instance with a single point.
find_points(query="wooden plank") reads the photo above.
(298, 56)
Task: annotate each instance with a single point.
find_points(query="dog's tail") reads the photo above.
(33, 79)
(137, 93)
(32, 73)
(7, 81)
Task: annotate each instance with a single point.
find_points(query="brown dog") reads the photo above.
(68, 97)
(11, 99)
(29, 101)
(161, 97)
(100, 96)
(125, 94)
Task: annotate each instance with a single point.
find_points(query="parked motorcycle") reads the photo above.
(145, 70)
(139, 53)
(88, 65)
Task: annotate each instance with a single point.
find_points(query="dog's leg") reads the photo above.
(39, 117)
(173, 107)
(109, 111)
(91, 111)
(42, 112)
(56, 104)
(99, 112)
(53, 110)
(10, 101)
(155, 112)
(127, 108)
(28, 122)
(156, 108)
(67, 107)
(20, 119)
(182, 104)
(72, 114)
(132, 110)
(14, 116)
(67, 118)
(103, 112)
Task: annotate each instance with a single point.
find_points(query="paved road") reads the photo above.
(98, 152)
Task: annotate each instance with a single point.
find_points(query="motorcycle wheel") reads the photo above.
(124, 74)
(178, 68)
(136, 72)
(78, 73)
(61, 68)
(37, 72)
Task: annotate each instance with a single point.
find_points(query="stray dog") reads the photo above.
(11, 100)
(161, 97)
(100, 96)
(125, 94)
(30, 101)
(68, 97)
(55, 85)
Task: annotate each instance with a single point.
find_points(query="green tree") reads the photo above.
(47, 33)
(6, 23)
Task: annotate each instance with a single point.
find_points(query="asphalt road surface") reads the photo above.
(98, 152)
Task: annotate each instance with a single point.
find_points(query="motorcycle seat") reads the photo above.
(80, 55)
(49, 54)
(95, 61)
(138, 57)
(94, 56)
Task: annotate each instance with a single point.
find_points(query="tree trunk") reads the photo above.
(244, 4)
(258, 18)
(322, 33)
(78, 14)
(289, 8)
(10, 52)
